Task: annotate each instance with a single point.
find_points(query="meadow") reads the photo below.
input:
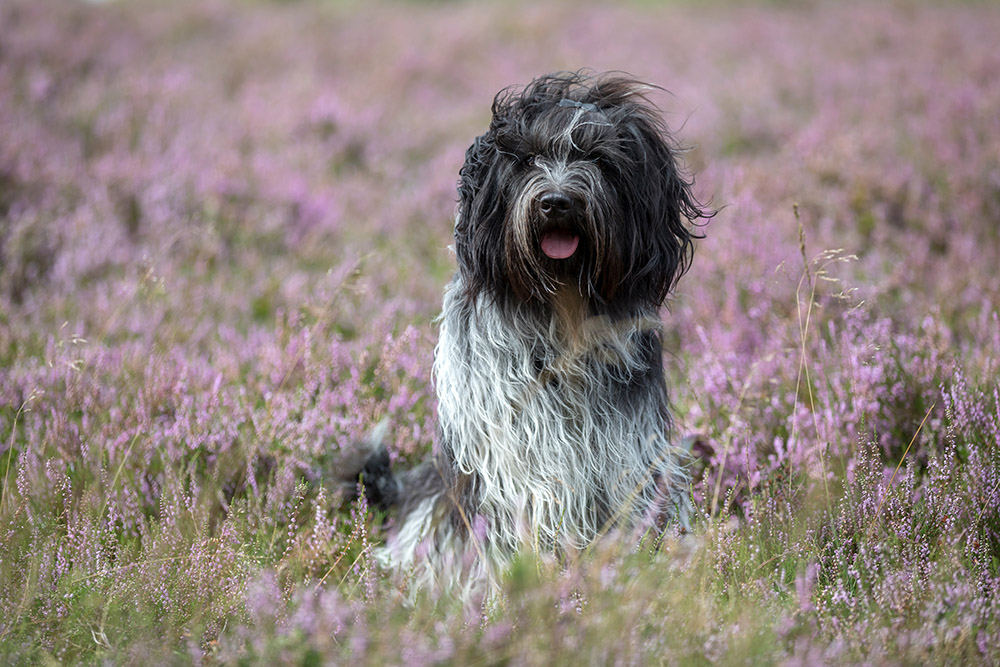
(224, 232)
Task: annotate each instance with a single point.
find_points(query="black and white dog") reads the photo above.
(572, 227)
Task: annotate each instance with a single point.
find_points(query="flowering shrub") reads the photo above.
(223, 239)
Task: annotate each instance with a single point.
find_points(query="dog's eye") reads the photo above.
(528, 160)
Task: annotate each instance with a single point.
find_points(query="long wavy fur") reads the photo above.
(553, 410)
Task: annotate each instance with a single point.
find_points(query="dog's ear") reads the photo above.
(479, 219)
(662, 210)
(481, 215)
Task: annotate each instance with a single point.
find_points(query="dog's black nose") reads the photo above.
(554, 205)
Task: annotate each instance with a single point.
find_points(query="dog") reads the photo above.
(574, 222)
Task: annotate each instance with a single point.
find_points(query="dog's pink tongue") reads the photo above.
(559, 245)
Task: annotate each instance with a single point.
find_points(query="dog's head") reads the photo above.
(576, 182)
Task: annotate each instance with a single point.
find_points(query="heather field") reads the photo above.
(224, 233)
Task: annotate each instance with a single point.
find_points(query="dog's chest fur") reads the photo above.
(557, 419)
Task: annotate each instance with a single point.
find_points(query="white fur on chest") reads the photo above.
(558, 419)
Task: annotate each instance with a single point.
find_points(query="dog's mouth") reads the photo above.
(559, 243)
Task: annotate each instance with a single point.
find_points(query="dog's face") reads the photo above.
(576, 183)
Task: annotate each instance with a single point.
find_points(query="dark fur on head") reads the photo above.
(598, 141)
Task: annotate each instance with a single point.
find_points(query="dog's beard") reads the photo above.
(545, 256)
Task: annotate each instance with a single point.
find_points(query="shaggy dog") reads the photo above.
(572, 227)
